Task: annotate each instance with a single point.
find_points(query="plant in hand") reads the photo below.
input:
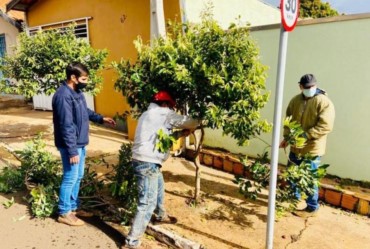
(302, 177)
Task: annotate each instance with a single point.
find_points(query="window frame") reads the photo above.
(84, 21)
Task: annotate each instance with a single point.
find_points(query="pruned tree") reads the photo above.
(39, 62)
(213, 74)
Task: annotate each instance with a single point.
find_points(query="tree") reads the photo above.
(213, 74)
(39, 62)
(316, 9)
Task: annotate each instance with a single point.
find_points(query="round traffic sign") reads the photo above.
(289, 13)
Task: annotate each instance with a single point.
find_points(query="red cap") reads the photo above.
(164, 96)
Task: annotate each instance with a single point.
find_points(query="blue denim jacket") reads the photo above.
(71, 119)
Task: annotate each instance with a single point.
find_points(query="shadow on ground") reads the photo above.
(22, 130)
(225, 189)
(213, 187)
(112, 233)
(226, 242)
(116, 236)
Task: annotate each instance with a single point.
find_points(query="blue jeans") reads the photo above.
(72, 176)
(312, 200)
(151, 193)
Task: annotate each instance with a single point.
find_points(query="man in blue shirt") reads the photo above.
(71, 134)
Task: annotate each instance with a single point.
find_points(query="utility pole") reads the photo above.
(157, 23)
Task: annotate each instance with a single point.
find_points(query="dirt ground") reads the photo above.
(224, 220)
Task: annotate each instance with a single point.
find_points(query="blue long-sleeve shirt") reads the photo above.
(71, 119)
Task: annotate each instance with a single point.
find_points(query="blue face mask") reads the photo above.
(309, 92)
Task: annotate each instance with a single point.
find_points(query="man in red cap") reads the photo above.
(314, 111)
(147, 161)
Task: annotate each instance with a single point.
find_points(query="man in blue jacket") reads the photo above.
(71, 134)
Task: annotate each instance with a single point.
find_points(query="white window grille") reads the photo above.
(81, 27)
(41, 101)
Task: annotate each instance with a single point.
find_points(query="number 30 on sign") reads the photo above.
(289, 13)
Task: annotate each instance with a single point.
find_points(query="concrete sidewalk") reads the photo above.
(226, 220)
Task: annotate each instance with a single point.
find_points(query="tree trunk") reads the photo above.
(197, 178)
(198, 146)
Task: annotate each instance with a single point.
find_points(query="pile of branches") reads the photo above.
(111, 195)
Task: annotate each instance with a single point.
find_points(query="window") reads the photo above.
(2, 50)
(81, 28)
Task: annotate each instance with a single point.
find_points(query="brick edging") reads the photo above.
(348, 200)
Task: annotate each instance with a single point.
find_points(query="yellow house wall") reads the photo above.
(172, 10)
(114, 26)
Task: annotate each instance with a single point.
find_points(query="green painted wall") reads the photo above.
(225, 12)
(337, 51)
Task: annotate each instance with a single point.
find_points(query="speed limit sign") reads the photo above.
(289, 13)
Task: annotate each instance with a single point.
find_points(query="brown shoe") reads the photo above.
(70, 219)
(82, 213)
(165, 220)
(306, 213)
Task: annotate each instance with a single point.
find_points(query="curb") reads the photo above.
(171, 239)
(159, 233)
(348, 200)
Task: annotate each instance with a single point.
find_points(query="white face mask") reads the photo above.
(309, 92)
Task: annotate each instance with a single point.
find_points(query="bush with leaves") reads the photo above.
(316, 9)
(259, 171)
(43, 201)
(302, 177)
(123, 185)
(41, 173)
(38, 165)
(39, 62)
(213, 74)
(11, 179)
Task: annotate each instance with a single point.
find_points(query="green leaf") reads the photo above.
(296, 136)
(7, 204)
(164, 141)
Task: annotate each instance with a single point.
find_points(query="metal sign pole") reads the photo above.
(289, 15)
(276, 136)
